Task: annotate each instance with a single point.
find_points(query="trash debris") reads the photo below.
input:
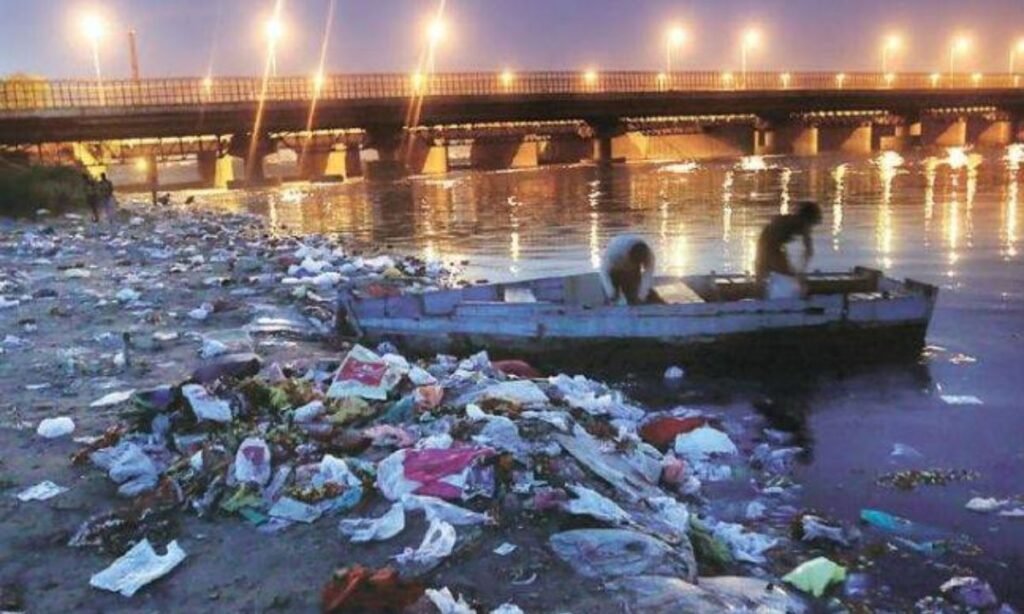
(816, 575)
(52, 428)
(961, 399)
(969, 592)
(703, 443)
(815, 528)
(674, 373)
(921, 538)
(252, 462)
(439, 509)
(384, 528)
(744, 545)
(904, 451)
(437, 544)
(505, 549)
(204, 405)
(979, 504)
(138, 567)
(362, 374)
(287, 508)
(609, 553)
(446, 603)
(41, 492)
(653, 593)
(358, 589)
(591, 503)
(912, 478)
(439, 473)
(114, 398)
(662, 432)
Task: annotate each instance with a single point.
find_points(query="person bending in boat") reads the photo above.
(782, 229)
(627, 271)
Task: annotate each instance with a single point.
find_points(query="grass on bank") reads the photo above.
(25, 188)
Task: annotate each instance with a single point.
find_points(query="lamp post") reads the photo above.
(673, 41)
(1018, 48)
(893, 43)
(959, 46)
(437, 31)
(751, 39)
(94, 29)
(275, 32)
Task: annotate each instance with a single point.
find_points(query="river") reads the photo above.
(951, 218)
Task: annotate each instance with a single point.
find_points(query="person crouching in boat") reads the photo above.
(627, 271)
(772, 256)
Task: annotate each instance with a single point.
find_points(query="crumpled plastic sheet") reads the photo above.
(333, 470)
(609, 465)
(609, 553)
(591, 503)
(649, 593)
(816, 575)
(361, 530)
(363, 374)
(594, 398)
(137, 568)
(206, 406)
(437, 544)
(745, 545)
(41, 492)
(523, 393)
(294, 510)
(701, 444)
(446, 603)
(440, 473)
(128, 465)
(439, 509)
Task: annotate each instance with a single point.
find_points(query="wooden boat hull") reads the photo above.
(833, 327)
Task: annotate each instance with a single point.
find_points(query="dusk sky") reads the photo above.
(178, 37)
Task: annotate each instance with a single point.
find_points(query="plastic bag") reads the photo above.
(702, 443)
(41, 492)
(436, 545)
(363, 374)
(436, 472)
(609, 553)
(252, 462)
(51, 428)
(446, 603)
(743, 544)
(137, 568)
(439, 509)
(287, 508)
(360, 530)
(206, 406)
(816, 575)
(592, 503)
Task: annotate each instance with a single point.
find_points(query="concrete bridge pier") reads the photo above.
(846, 138)
(387, 142)
(892, 137)
(215, 170)
(500, 154)
(565, 150)
(940, 131)
(716, 141)
(254, 174)
(789, 137)
(986, 132)
(427, 157)
(323, 165)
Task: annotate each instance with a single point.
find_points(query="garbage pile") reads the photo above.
(466, 447)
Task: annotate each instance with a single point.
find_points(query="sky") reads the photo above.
(183, 37)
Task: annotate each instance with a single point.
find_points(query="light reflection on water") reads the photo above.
(892, 211)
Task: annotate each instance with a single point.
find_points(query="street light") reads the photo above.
(274, 30)
(1018, 48)
(507, 78)
(785, 77)
(95, 28)
(590, 78)
(840, 79)
(893, 43)
(751, 40)
(674, 39)
(959, 46)
(934, 78)
(437, 32)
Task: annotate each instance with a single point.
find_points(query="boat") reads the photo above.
(707, 320)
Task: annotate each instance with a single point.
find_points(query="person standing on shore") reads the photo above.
(92, 196)
(106, 196)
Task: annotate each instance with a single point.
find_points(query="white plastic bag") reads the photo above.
(252, 462)
(361, 530)
(437, 544)
(137, 568)
(51, 428)
(206, 406)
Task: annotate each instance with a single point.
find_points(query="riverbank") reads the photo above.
(26, 188)
(95, 310)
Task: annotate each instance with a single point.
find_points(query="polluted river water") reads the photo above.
(950, 218)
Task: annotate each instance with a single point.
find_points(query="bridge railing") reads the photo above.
(33, 95)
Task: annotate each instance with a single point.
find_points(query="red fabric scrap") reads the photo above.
(358, 589)
(518, 368)
(662, 432)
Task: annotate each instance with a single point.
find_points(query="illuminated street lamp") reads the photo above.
(507, 78)
(1017, 48)
(751, 40)
(95, 28)
(590, 78)
(890, 78)
(274, 30)
(437, 32)
(893, 44)
(674, 40)
(318, 82)
(840, 80)
(934, 78)
(961, 44)
(785, 78)
(976, 79)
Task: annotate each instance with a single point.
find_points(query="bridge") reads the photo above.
(229, 125)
